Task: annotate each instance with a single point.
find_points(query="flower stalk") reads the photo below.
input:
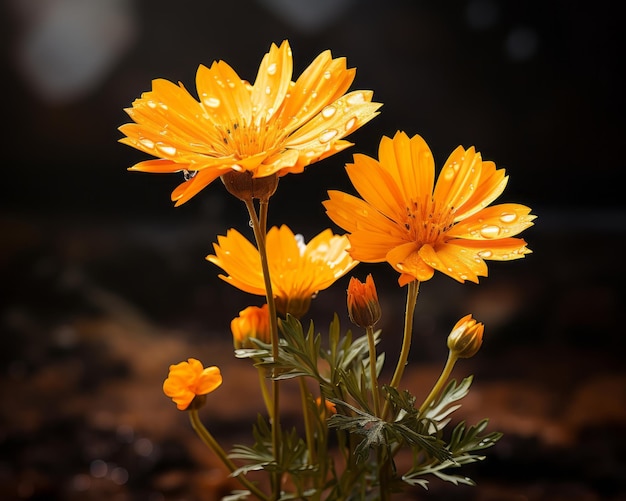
(210, 441)
(259, 234)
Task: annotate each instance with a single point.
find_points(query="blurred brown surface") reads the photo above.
(104, 284)
(96, 313)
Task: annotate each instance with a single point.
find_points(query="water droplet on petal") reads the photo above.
(212, 102)
(152, 104)
(508, 217)
(463, 277)
(166, 149)
(350, 123)
(268, 90)
(189, 174)
(356, 98)
(271, 69)
(329, 111)
(237, 168)
(327, 75)
(485, 254)
(490, 231)
(251, 223)
(147, 143)
(300, 243)
(327, 135)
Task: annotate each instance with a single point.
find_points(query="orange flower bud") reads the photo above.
(252, 322)
(466, 337)
(188, 380)
(327, 408)
(363, 305)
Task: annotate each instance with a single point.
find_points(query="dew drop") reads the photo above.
(251, 223)
(152, 104)
(271, 69)
(329, 111)
(508, 217)
(327, 135)
(310, 153)
(490, 231)
(237, 168)
(449, 173)
(189, 174)
(350, 123)
(300, 243)
(268, 90)
(485, 254)
(327, 75)
(166, 149)
(147, 143)
(356, 98)
(212, 102)
(463, 277)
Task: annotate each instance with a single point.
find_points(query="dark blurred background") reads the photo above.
(105, 283)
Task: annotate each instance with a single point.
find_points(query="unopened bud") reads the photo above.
(466, 337)
(363, 306)
(252, 323)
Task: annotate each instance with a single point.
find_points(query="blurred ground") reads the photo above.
(97, 313)
(104, 283)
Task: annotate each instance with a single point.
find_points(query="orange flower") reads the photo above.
(273, 127)
(466, 337)
(418, 229)
(188, 380)
(297, 270)
(252, 322)
(363, 306)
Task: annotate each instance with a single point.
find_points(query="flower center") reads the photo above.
(426, 223)
(245, 140)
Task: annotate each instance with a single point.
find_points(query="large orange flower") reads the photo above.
(297, 270)
(275, 126)
(419, 226)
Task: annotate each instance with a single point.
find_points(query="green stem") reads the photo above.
(373, 374)
(411, 299)
(208, 439)
(443, 378)
(266, 395)
(258, 227)
(308, 430)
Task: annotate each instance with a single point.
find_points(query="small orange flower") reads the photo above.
(188, 380)
(252, 322)
(418, 226)
(273, 127)
(363, 306)
(297, 270)
(466, 337)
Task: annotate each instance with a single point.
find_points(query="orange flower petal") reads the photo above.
(497, 221)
